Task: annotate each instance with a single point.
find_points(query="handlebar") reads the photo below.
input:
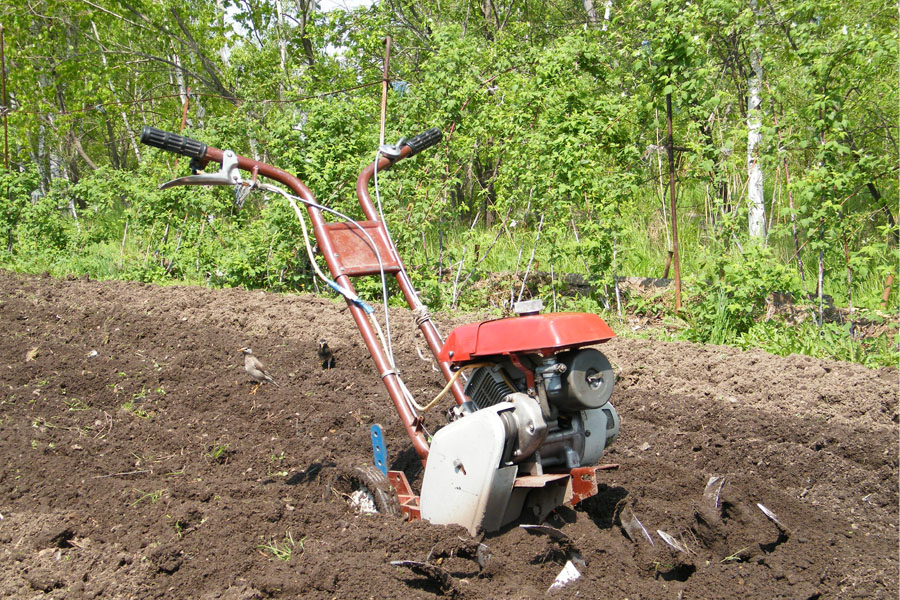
(424, 140)
(228, 175)
(191, 148)
(172, 142)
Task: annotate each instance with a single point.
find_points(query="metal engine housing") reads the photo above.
(573, 390)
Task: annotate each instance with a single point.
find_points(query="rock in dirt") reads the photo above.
(166, 558)
(56, 537)
(43, 580)
(235, 592)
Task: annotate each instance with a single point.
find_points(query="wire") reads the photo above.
(291, 198)
(450, 383)
(101, 105)
(386, 344)
(331, 283)
(384, 293)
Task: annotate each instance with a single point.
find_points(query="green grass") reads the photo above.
(218, 452)
(151, 497)
(284, 549)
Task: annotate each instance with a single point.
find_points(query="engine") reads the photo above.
(534, 424)
(562, 419)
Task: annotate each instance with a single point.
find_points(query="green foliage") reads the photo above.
(734, 298)
(832, 340)
(43, 228)
(16, 189)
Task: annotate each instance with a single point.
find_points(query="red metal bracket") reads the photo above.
(529, 374)
(584, 482)
(409, 502)
(353, 252)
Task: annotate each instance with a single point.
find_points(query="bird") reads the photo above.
(256, 370)
(325, 354)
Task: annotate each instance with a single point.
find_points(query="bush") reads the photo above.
(726, 306)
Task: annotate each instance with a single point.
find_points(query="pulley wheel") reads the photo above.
(590, 378)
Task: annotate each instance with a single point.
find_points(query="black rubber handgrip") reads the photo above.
(172, 142)
(424, 140)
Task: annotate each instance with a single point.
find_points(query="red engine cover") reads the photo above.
(545, 333)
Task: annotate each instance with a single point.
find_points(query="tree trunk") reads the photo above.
(303, 8)
(757, 217)
(606, 14)
(109, 83)
(282, 48)
(591, 12)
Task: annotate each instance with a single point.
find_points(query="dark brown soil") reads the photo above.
(136, 464)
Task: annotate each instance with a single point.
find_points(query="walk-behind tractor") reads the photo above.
(532, 415)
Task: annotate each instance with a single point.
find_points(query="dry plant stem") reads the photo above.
(662, 188)
(552, 287)
(462, 261)
(177, 244)
(531, 259)
(269, 255)
(512, 292)
(126, 473)
(122, 253)
(849, 273)
(488, 251)
(886, 294)
(149, 242)
(384, 88)
(787, 185)
(775, 192)
(424, 246)
(578, 242)
(819, 285)
(616, 274)
(3, 100)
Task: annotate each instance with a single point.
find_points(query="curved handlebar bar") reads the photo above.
(186, 146)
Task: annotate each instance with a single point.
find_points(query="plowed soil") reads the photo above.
(136, 463)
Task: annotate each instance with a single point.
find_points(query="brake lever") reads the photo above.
(228, 174)
(392, 152)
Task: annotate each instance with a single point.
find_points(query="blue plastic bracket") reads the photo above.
(378, 449)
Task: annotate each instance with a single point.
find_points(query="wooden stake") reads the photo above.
(671, 151)
(885, 296)
(4, 108)
(187, 99)
(384, 88)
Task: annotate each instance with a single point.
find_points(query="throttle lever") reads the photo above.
(228, 174)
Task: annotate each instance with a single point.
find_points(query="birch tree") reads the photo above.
(757, 217)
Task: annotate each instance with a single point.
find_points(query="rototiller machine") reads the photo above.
(532, 415)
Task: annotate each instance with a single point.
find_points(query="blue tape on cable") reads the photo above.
(349, 296)
(341, 290)
(366, 308)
